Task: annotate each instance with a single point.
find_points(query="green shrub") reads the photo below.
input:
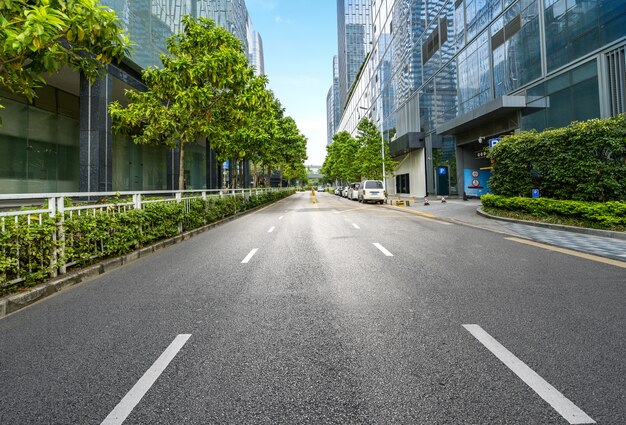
(26, 250)
(598, 214)
(585, 161)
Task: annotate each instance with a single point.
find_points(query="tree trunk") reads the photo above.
(256, 176)
(181, 176)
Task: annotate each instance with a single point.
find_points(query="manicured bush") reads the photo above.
(26, 250)
(597, 214)
(585, 161)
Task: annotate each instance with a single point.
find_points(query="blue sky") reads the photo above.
(299, 42)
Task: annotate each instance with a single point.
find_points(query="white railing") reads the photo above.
(34, 209)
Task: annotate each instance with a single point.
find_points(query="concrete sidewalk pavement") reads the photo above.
(606, 244)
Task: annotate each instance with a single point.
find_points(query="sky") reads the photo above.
(299, 42)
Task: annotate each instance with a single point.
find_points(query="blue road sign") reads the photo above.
(536, 193)
(494, 141)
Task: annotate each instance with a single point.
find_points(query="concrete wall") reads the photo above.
(414, 164)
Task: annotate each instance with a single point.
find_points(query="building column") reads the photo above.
(213, 172)
(96, 138)
(246, 173)
(173, 168)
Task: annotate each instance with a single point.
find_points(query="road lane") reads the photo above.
(321, 327)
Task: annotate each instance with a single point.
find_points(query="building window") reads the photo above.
(435, 40)
(402, 183)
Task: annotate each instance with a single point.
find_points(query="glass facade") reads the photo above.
(355, 35)
(38, 143)
(577, 27)
(41, 144)
(432, 62)
(333, 111)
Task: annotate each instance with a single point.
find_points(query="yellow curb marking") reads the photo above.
(591, 257)
(423, 214)
(350, 209)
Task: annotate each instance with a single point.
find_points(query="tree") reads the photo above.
(369, 156)
(292, 146)
(40, 36)
(341, 162)
(202, 91)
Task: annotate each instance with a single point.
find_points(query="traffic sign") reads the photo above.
(494, 141)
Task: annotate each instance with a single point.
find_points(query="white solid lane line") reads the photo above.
(134, 396)
(355, 226)
(572, 413)
(271, 229)
(249, 256)
(382, 249)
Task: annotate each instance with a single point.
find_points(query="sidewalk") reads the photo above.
(464, 213)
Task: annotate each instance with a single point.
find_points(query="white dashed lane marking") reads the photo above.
(136, 393)
(382, 249)
(271, 229)
(572, 413)
(249, 256)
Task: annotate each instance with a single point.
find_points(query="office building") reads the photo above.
(445, 79)
(333, 110)
(63, 141)
(354, 25)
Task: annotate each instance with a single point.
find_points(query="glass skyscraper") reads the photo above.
(63, 141)
(443, 78)
(333, 110)
(354, 24)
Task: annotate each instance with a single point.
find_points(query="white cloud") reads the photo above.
(280, 20)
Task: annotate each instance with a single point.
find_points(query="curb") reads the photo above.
(562, 227)
(15, 302)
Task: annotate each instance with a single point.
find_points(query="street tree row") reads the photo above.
(205, 89)
(354, 159)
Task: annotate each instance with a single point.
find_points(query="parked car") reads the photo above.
(372, 191)
(344, 191)
(320, 188)
(353, 192)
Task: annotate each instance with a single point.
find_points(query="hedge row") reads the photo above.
(599, 214)
(585, 161)
(26, 250)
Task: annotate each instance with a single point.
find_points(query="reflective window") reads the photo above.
(516, 48)
(577, 27)
(39, 148)
(574, 96)
(474, 77)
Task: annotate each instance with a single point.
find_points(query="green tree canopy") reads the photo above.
(205, 89)
(340, 162)
(40, 36)
(369, 156)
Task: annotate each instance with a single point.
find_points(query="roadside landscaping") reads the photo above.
(579, 171)
(33, 251)
(594, 215)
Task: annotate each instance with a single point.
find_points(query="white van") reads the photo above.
(372, 190)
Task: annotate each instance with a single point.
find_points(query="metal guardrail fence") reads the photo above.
(35, 209)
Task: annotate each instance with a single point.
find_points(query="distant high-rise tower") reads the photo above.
(256, 54)
(354, 25)
(333, 109)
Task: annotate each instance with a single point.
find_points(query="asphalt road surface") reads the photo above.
(327, 312)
